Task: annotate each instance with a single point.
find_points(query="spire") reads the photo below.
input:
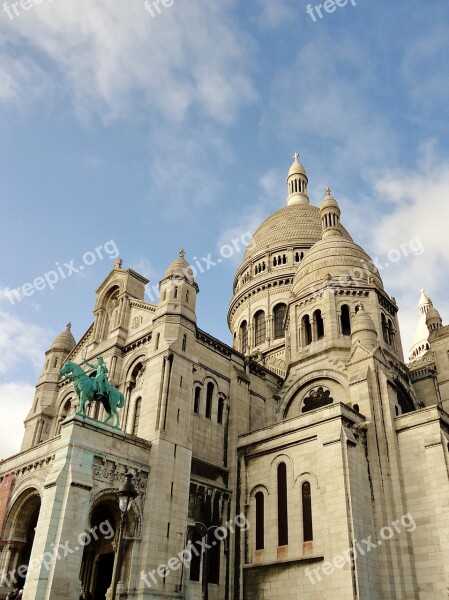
(297, 183)
(330, 216)
(420, 344)
(424, 303)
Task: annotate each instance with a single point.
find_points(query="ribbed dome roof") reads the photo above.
(338, 257)
(65, 340)
(179, 267)
(296, 224)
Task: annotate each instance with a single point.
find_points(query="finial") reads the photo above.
(182, 254)
(118, 263)
(295, 157)
(328, 191)
(68, 326)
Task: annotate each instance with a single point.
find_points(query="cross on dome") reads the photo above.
(328, 191)
(296, 157)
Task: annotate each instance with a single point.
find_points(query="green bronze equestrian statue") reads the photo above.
(96, 389)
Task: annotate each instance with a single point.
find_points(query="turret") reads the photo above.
(39, 423)
(297, 183)
(363, 329)
(330, 216)
(420, 343)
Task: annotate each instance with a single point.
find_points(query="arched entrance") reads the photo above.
(18, 537)
(99, 555)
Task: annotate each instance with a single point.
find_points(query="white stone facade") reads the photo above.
(330, 453)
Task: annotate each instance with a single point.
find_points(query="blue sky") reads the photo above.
(177, 131)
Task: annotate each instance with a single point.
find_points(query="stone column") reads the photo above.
(7, 559)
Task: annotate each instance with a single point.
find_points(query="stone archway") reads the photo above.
(18, 537)
(99, 555)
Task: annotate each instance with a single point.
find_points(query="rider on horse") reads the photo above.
(101, 378)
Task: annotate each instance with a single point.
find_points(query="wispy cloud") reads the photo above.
(418, 207)
(330, 106)
(21, 343)
(274, 14)
(112, 57)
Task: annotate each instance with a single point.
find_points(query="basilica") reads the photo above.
(307, 460)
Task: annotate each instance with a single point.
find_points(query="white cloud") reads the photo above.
(415, 225)
(112, 55)
(15, 403)
(21, 344)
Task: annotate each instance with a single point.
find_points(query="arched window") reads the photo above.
(345, 320)
(187, 295)
(282, 505)
(220, 411)
(244, 337)
(279, 312)
(275, 262)
(184, 342)
(260, 332)
(392, 335)
(137, 415)
(384, 328)
(175, 292)
(307, 525)
(260, 521)
(156, 341)
(209, 396)
(306, 330)
(319, 324)
(196, 400)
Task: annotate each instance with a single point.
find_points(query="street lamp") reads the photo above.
(126, 495)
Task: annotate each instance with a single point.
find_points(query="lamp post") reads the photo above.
(126, 495)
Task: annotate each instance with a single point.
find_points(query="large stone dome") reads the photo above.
(297, 224)
(336, 259)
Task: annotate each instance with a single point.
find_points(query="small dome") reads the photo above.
(335, 259)
(179, 268)
(363, 329)
(65, 340)
(329, 201)
(432, 313)
(296, 168)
